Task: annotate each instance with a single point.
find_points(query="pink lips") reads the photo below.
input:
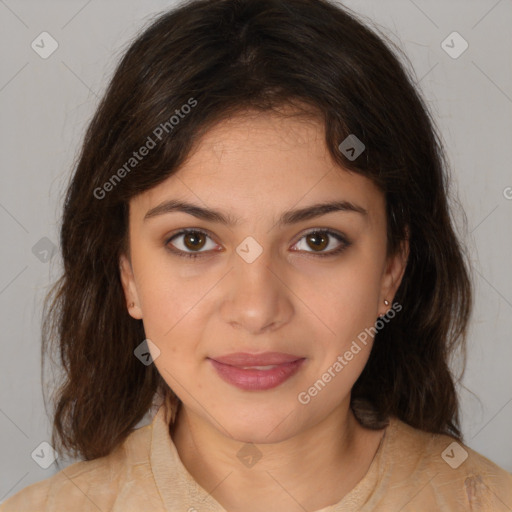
(234, 369)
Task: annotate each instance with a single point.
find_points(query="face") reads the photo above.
(255, 278)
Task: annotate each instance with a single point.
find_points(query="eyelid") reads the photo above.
(320, 229)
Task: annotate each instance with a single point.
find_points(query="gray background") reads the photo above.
(46, 104)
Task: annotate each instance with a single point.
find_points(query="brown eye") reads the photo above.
(194, 240)
(317, 240)
(189, 243)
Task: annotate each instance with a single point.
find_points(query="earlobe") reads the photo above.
(129, 287)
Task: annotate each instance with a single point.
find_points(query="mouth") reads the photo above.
(257, 372)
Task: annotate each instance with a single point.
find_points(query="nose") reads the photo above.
(256, 297)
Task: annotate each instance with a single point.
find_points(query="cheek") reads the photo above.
(167, 310)
(345, 298)
(160, 305)
(164, 296)
(175, 307)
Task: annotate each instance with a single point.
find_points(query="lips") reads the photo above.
(257, 372)
(243, 359)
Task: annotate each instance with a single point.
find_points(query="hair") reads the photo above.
(225, 57)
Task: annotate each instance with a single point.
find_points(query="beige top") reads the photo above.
(411, 472)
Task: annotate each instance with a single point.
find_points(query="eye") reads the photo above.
(193, 240)
(320, 239)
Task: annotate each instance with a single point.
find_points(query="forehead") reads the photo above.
(254, 162)
(259, 139)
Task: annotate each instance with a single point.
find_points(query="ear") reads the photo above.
(392, 277)
(129, 287)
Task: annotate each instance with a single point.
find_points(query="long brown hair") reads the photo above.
(228, 56)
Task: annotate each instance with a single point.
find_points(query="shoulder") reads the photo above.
(445, 471)
(86, 485)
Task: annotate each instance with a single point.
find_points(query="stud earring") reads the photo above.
(131, 305)
(386, 302)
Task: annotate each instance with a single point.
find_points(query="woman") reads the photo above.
(258, 245)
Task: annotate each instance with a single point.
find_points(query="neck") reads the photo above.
(332, 456)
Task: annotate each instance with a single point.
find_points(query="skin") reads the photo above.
(254, 167)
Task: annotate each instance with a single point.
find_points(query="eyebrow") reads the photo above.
(287, 218)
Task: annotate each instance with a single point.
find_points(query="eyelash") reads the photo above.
(345, 243)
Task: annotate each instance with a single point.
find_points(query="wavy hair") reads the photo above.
(230, 56)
